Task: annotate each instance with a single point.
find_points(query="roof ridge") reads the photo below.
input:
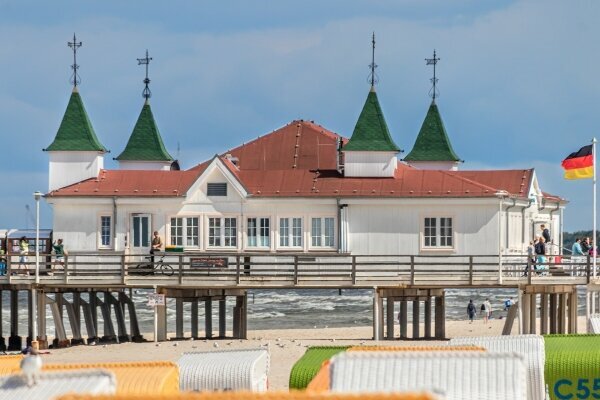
(451, 173)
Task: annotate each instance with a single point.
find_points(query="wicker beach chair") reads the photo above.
(305, 369)
(595, 323)
(460, 375)
(9, 364)
(50, 385)
(224, 370)
(530, 346)
(297, 395)
(573, 366)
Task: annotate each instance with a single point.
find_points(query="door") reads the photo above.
(140, 233)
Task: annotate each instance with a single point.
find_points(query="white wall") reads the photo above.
(68, 167)
(370, 163)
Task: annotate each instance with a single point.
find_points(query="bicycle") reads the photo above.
(148, 267)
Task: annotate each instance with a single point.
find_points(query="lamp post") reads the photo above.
(34, 329)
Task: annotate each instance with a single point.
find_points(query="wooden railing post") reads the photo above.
(412, 270)
(237, 269)
(354, 270)
(529, 271)
(9, 268)
(65, 268)
(295, 270)
(470, 270)
(180, 269)
(123, 270)
(588, 268)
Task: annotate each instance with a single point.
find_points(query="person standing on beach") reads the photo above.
(486, 310)
(471, 311)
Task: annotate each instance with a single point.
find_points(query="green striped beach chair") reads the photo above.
(305, 369)
(573, 366)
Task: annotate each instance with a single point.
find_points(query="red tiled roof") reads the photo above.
(299, 160)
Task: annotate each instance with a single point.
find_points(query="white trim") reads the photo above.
(290, 217)
(238, 237)
(271, 235)
(184, 233)
(439, 248)
(310, 233)
(216, 163)
(99, 244)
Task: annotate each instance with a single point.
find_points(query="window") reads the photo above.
(141, 230)
(290, 236)
(323, 232)
(105, 230)
(438, 232)
(184, 231)
(216, 189)
(259, 232)
(222, 232)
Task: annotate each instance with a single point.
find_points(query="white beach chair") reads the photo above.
(224, 370)
(595, 323)
(459, 375)
(50, 385)
(530, 346)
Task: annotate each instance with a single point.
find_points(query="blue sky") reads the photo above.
(518, 85)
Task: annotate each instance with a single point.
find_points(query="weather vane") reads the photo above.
(433, 93)
(373, 78)
(75, 80)
(146, 61)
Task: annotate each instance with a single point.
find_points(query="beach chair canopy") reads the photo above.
(595, 324)
(530, 346)
(224, 370)
(459, 375)
(50, 385)
(305, 369)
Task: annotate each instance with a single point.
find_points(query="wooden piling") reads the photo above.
(415, 319)
(544, 314)
(389, 318)
(428, 318)
(403, 319)
(573, 311)
(562, 313)
(222, 318)
(376, 313)
(440, 317)
(161, 317)
(525, 311)
(208, 330)
(533, 314)
(14, 341)
(194, 318)
(552, 310)
(178, 318)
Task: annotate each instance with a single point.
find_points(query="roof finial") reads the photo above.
(373, 78)
(433, 93)
(146, 93)
(75, 80)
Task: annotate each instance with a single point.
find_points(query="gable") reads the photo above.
(216, 173)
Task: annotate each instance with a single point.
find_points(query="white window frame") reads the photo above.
(258, 228)
(290, 232)
(438, 234)
(110, 232)
(322, 235)
(184, 231)
(221, 236)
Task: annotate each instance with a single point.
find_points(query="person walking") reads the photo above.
(23, 251)
(546, 234)
(507, 304)
(585, 246)
(530, 258)
(576, 250)
(471, 311)
(488, 310)
(540, 252)
(59, 252)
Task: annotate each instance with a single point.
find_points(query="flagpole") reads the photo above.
(595, 245)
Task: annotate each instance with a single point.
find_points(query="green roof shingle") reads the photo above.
(76, 132)
(432, 143)
(371, 132)
(145, 143)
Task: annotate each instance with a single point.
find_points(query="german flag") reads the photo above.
(579, 165)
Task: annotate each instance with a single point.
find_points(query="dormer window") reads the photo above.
(216, 189)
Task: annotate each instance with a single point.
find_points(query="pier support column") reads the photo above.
(222, 318)
(29, 317)
(377, 322)
(14, 341)
(526, 310)
(573, 311)
(562, 313)
(533, 314)
(76, 319)
(161, 319)
(195, 319)
(427, 333)
(403, 319)
(389, 318)
(41, 316)
(208, 330)
(552, 310)
(93, 301)
(440, 317)
(179, 318)
(415, 319)
(544, 314)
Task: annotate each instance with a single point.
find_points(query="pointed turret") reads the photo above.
(371, 151)
(432, 149)
(145, 148)
(76, 153)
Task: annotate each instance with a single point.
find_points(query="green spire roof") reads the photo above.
(145, 143)
(432, 143)
(371, 132)
(76, 132)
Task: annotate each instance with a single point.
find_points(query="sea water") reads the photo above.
(284, 309)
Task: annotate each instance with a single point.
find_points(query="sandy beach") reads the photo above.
(286, 346)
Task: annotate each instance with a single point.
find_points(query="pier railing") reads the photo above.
(295, 270)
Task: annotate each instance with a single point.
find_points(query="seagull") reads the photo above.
(215, 344)
(31, 365)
